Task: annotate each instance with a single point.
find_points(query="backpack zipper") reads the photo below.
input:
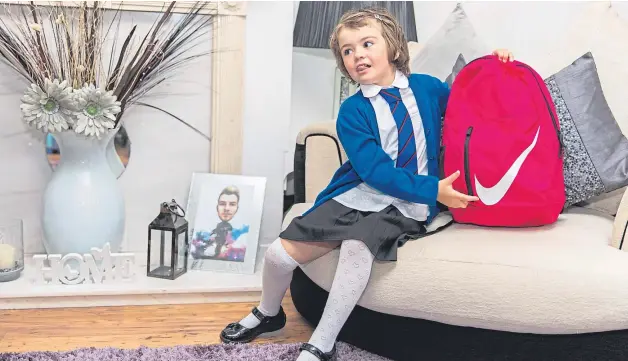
(467, 173)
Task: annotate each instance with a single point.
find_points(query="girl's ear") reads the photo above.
(396, 55)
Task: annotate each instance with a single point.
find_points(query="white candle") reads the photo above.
(7, 256)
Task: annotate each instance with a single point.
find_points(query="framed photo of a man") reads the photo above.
(224, 215)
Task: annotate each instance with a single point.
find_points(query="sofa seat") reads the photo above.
(559, 279)
(558, 292)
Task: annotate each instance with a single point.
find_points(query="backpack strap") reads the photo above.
(439, 223)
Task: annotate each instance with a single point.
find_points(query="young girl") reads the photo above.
(383, 196)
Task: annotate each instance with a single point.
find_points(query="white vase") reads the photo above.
(83, 204)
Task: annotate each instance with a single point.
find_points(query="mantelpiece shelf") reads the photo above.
(192, 287)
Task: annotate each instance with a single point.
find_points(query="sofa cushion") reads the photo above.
(460, 63)
(596, 151)
(456, 36)
(561, 278)
(600, 30)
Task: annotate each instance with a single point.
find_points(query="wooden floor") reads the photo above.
(131, 327)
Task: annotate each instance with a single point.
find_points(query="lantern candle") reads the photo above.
(170, 230)
(7, 257)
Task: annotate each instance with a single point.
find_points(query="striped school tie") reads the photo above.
(406, 156)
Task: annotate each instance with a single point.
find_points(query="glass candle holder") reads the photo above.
(11, 249)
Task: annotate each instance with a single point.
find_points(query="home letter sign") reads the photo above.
(101, 266)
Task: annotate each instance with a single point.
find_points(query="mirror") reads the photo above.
(118, 151)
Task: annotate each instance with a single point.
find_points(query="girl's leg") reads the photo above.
(281, 258)
(352, 276)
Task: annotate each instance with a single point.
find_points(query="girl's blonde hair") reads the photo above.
(398, 52)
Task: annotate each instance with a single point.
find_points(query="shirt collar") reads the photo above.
(371, 90)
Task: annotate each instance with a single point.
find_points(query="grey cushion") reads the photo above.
(458, 65)
(596, 151)
(455, 36)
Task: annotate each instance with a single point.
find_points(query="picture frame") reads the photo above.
(224, 214)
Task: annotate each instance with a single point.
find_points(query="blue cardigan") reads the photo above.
(367, 162)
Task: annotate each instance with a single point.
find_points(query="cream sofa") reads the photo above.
(554, 292)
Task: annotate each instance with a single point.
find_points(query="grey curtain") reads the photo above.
(316, 19)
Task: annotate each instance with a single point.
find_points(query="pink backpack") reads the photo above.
(502, 132)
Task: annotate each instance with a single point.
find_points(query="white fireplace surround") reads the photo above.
(228, 43)
(227, 60)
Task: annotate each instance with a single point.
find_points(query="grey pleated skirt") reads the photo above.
(382, 232)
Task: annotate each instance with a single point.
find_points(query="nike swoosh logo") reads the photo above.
(495, 193)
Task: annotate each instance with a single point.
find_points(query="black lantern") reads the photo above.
(168, 255)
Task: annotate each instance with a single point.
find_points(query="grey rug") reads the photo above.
(218, 352)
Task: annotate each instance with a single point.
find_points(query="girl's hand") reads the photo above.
(504, 55)
(448, 196)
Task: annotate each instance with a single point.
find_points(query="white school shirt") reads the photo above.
(364, 197)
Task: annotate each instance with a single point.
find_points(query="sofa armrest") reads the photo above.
(318, 154)
(620, 227)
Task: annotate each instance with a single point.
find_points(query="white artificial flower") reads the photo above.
(50, 109)
(97, 109)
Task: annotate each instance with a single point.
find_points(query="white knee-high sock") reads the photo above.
(276, 276)
(352, 276)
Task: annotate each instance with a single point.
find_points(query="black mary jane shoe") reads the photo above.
(322, 356)
(236, 333)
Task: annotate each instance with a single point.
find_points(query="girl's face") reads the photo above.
(365, 55)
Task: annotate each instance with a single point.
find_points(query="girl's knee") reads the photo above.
(304, 252)
(355, 245)
(294, 249)
(285, 243)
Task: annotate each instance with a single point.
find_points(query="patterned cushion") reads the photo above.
(596, 151)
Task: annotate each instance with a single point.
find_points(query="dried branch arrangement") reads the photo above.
(78, 80)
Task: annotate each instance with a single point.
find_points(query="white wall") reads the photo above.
(164, 153)
(313, 72)
(267, 88)
(533, 30)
